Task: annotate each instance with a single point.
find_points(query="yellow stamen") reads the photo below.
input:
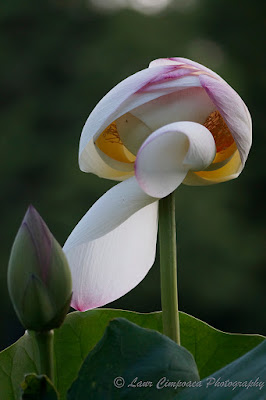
(224, 141)
(109, 142)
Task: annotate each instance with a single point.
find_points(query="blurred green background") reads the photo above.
(58, 58)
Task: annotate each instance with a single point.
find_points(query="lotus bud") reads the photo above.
(39, 278)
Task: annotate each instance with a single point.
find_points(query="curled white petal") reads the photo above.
(165, 158)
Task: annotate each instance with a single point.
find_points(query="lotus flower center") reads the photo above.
(110, 143)
(224, 141)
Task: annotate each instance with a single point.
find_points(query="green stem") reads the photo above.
(45, 345)
(168, 267)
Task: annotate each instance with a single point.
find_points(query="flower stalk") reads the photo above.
(44, 341)
(168, 267)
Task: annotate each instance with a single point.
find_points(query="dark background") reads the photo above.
(58, 58)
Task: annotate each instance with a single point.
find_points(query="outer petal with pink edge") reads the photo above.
(233, 111)
(113, 246)
(226, 101)
(237, 118)
(165, 158)
(183, 62)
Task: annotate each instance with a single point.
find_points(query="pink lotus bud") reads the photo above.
(39, 279)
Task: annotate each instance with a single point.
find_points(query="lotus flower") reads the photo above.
(174, 122)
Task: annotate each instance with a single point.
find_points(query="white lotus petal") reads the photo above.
(107, 268)
(191, 104)
(169, 153)
(233, 111)
(91, 159)
(111, 210)
(230, 170)
(138, 89)
(183, 62)
(179, 79)
(132, 131)
(126, 168)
